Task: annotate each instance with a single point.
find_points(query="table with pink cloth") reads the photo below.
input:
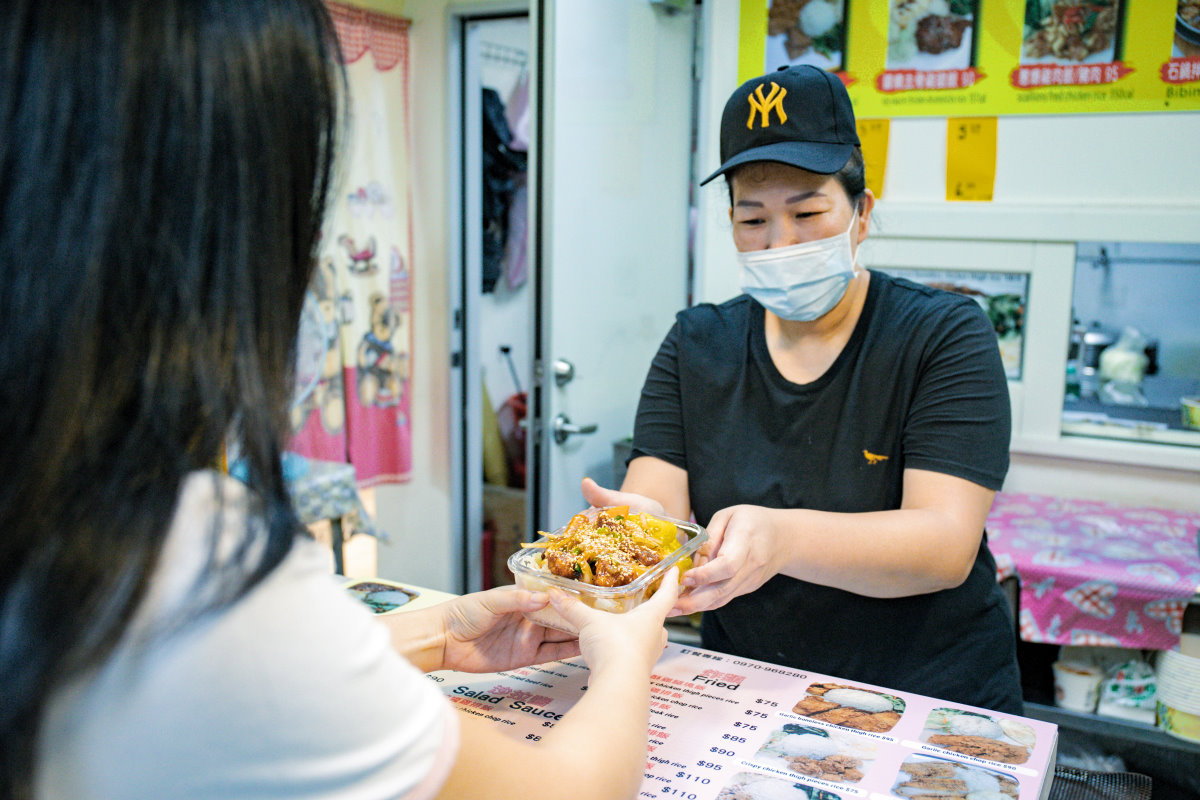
(1096, 573)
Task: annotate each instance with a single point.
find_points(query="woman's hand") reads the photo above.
(742, 553)
(599, 497)
(601, 737)
(618, 640)
(486, 632)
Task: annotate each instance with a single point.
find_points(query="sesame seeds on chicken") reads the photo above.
(611, 550)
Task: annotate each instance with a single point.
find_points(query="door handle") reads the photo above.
(564, 372)
(563, 428)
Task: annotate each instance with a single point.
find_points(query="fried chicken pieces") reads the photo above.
(611, 550)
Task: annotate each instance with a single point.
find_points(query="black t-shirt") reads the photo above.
(919, 384)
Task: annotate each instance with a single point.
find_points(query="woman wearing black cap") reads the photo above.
(840, 432)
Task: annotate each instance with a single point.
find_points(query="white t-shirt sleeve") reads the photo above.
(293, 692)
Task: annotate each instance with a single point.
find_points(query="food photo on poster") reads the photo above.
(1186, 43)
(818, 752)
(850, 706)
(929, 776)
(931, 34)
(756, 786)
(972, 733)
(1063, 32)
(806, 32)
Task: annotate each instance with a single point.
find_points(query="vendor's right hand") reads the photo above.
(742, 553)
(599, 497)
(636, 637)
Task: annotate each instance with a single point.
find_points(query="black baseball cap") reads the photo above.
(797, 115)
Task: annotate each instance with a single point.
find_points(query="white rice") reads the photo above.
(979, 781)
(764, 788)
(807, 745)
(857, 698)
(817, 18)
(971, 725)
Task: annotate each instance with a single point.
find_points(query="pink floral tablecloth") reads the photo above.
(1097, 573)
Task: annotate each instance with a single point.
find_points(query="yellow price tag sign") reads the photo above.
(873, 136)
(970, 158)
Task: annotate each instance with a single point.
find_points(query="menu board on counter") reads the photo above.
(969, 58)
(729, 728)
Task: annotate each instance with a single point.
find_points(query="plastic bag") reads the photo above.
(1122, 366)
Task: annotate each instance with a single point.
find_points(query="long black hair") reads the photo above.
(164, 168)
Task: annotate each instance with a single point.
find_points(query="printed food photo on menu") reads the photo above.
(931, 34)
(926, 777)
(381, 596)
(828, 754)
(850, 707)
(806, 32)
(1064, 32)
(755, 786)
(971, 733)
(1187, 30)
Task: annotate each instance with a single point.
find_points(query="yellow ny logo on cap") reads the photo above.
(763, 105)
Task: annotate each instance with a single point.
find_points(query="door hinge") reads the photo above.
(456, 359)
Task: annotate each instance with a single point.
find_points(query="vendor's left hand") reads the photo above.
(600, 497)
(486, 632)
(741, 555)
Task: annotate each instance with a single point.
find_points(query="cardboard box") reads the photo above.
(504, 518)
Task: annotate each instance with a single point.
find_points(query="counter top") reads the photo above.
(722, 726)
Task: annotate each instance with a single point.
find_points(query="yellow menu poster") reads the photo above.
(986, 57)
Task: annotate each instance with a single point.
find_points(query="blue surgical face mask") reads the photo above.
(801, 282)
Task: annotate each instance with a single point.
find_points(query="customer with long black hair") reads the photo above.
(166, 631)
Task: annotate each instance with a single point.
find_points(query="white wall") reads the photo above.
(1051, 171)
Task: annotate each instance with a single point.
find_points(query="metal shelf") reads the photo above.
(1110, 728)
(680, 630)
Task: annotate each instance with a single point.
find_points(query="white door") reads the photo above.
(612, 196)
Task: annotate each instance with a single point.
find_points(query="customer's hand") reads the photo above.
(486, 632)
(741, 554)
(599, 497)
(607, 639)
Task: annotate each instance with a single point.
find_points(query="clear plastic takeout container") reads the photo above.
(532, 576)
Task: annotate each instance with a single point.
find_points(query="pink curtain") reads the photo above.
(353, 396)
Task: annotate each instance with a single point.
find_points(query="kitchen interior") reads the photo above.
(1133, 366)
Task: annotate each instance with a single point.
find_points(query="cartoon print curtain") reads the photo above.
(353, 392)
